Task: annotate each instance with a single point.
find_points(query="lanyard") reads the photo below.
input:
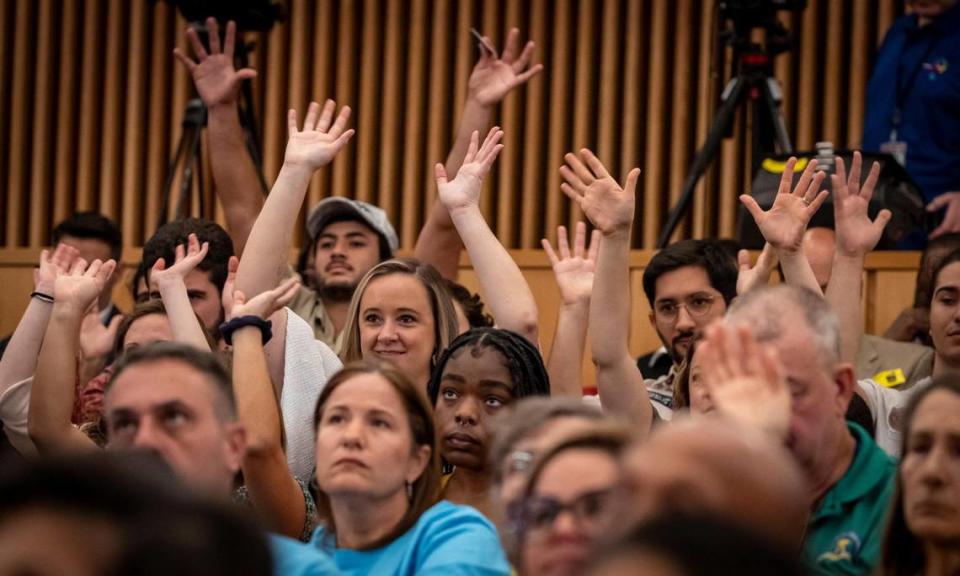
(903, 90)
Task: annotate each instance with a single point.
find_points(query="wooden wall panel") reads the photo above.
(91, 103)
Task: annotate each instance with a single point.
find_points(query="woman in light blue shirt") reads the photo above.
(378, 471)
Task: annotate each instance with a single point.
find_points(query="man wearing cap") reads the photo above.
(348, 238)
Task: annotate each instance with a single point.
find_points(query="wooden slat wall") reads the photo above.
(91, 103)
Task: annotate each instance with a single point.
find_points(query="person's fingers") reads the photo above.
(79, 265)
(524, 59)
(813, 186)
(571, 193)
(239, 298)
(159, 266)
(491, 50)
(45, 257)
(939, 202)
(596, 238)
(94, 268)
(734, 348)
(490, 158)
(817, 203)
(342, 140)
(229, 39)
(563, 245)
(533, 71)
(472, 147)
(786, 178)
(572, 179)
(246, 74)
(594, 163)
(839, 189)
(292, 122)
(440, 173)
(578, 168)
(186, 61)
(490, 142)
(768, 257)
(866, 191)
(840, 169)
(512, 47)
(853, 181)
(806, 177)
(202, 252)
(196, 45)
(313, 112)
(340, 124)
(288, 295)
(630, 187)
(193, 244)
(743, 260)
(106, 271)
(881, 221)
(551, 255)
(752, 207)
(751, 355)
(579, 239)
(951, 221)
(213, 33)
(179, 253)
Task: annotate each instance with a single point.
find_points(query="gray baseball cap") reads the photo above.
(338, 208)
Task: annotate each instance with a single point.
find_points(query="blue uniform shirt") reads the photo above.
(925, 62)
(294, 558)
(447, 540)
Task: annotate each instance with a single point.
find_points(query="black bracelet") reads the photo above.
(228, 328)
(42, 297)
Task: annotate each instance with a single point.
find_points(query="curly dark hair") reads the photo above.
(471, 304)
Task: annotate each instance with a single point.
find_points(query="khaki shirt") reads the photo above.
(308, 305)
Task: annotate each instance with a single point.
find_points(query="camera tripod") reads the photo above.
(754, 82)
(186, 160)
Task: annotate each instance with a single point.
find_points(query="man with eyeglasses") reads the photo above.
(688, 285)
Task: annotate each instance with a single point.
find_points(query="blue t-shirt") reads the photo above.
(294, 558)
(447, 540)
(923, 66)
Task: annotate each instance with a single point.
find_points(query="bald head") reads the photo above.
(710, 465)
(819, 245)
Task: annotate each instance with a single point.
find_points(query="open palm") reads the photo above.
(214, 75)
(856, 233)
(785, 222)
(319, 141)
(83, 284)
(607, 205)
(493, 78)
(464, 190)
(574, 272)
(187, 259)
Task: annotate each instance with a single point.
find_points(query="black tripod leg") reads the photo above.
(171, 174)
(704, 156)
(187, 183)
(773, 97)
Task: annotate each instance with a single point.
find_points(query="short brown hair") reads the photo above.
(426, 488)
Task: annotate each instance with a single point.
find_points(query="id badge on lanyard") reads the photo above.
(894, 146)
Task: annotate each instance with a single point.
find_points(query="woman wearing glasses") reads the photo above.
(564, 511)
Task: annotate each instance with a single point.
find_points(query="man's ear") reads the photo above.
(652, 319)
(236, 445)
(845, 380)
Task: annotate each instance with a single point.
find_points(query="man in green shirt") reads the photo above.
(849, 478)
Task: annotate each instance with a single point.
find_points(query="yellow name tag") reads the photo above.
(778, 166)
(890, 378)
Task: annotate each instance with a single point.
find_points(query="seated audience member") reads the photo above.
(565, 510)
(177, 401)
(887, 404)
(692, 544)
(712, 466)
(401, 313)
(107, 514)
(848, 477)
(378, 474)
(913, 324)
(95, 237)
(895, 364)
(17, 368)
(479, 374)
(923, 534)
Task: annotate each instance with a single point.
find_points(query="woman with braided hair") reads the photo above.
(480, 373)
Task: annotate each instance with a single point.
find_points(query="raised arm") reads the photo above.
(20, 359)
(52, 396)
(218, 83)
(574, 275)
(610, 208)
(504, 287)
(856, 236)
(273, 490)
(266, 257)
(173, 291)
(757, 275)
(491, 80)
(785, 222)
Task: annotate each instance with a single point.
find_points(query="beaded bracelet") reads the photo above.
(228, 328)
(42, 297)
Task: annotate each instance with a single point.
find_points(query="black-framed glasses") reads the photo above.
(536, 516)
(697, 306)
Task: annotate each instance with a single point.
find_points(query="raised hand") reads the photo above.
(97, 340)
(587, 182)
(785, 222)
(574, 273)
(318, 143)
(464, 190)
(82, 284)
(494, 77)
(187, 259)
(265, 303)
(751, 277)
(214, 75)
(745, 379)
(53, 265)
(951, 219)
(856, 233)
(226, 296)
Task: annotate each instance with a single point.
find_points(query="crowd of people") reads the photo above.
(360, 413)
